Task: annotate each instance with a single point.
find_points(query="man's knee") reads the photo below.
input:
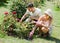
(28, 20)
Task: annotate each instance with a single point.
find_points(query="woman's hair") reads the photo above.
(49, 12)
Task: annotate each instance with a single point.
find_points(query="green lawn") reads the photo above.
(55, 37)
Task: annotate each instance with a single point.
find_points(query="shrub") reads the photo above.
(13, 28)
(2, 34)
(36, 3)
(18, 6)
(39, 3)
(3, 0)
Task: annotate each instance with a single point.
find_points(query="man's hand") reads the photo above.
(33, 22)
(24, 16)
(20, 21)
(31, 34)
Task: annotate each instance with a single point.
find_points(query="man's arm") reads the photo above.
(24, 16)
(40, 18)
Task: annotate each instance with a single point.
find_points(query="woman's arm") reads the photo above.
(47, 24)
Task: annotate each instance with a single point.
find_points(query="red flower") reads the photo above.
(5, 13)
(14, 12)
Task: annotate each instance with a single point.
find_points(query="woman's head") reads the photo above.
(46, 16)
(48, 13)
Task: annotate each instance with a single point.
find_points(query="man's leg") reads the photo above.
(32, 32)
(28, 20)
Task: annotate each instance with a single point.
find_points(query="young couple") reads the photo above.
(42, 21)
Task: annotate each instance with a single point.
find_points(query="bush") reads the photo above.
(3, 0)
(39, 3)
(11, 27)
(36, 3)
(2, 34)
(10, 24)
(18, 6)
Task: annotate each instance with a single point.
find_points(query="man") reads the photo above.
(34, 13)
(44, 24)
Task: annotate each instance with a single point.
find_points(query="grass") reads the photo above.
(55, 37)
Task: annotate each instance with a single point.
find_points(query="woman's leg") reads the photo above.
(40, 32)
(45, 31)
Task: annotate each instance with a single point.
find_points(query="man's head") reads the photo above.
(30, 7)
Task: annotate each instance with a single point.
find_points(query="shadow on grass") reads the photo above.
(52, 39)
(25, 34)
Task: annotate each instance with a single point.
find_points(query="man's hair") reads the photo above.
(30, 5)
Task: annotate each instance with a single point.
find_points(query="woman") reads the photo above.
(44, 24)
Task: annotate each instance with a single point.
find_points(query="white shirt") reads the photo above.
(37, 12)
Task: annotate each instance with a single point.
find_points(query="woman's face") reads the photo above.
(46, 17)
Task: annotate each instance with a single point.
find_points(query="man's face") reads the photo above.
(31, 9)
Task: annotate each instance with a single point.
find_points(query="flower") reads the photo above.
(5, 13)
(14, 12)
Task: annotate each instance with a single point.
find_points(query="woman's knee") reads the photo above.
(44, 30)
